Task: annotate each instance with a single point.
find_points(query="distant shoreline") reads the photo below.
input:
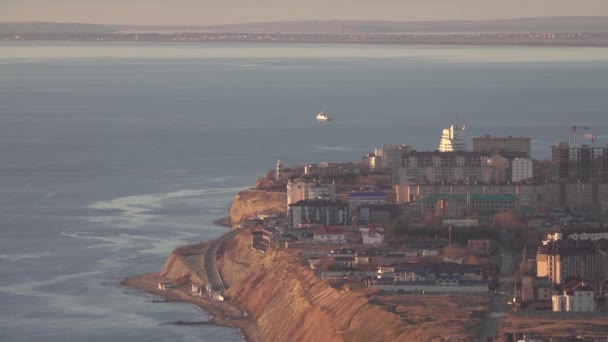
(576, 39)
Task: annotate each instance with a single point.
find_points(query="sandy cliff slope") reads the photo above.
(249, 202)
(290, 304)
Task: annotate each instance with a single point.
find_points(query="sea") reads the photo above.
(113, 154)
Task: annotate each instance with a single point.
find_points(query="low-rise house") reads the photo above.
(261, 239)
(164, 285)
(344, 261)
(372, 236)
(330, 235)
(197, 290)
(443, 273)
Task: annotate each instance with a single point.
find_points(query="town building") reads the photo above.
(490, 143)
(261, 239)
(502, 167)
(371, 162)
(485, 246)
(332, 169)
(376, 213)
(389, 158)
(442, 167)
(330, 235)
(483, 205)
(521, 169)
(302, 189)
(372, 236)
(560, 258)
(536, 289)
(580, 197)
(306, 214)
(452, 138)
(580, 163)
(588, 235)
(503, 162)
(574, 195)
(435, 274)
(358, 198)
(579, 300)
(464, 222)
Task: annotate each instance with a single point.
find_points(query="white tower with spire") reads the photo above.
(453, 138)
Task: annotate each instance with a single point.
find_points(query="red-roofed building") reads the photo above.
(330, 235)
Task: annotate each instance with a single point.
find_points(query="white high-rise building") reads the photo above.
(390, 157)
(521, 169)
(453, 138)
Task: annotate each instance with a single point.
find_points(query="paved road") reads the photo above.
(498, 307)
(213, 274)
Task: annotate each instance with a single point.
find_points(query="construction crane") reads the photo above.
(591, 136)
(574, 128)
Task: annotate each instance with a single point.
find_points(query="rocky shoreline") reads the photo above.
(245, 204)
(221, 312)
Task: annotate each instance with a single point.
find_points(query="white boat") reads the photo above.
(322, 116)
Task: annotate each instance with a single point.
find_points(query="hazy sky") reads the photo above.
(207, 12)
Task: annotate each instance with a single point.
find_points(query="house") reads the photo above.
(197, 290)
(372, 236)
(261, 239)
(330, 235)
(164, 285)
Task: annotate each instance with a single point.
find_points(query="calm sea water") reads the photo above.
(114, 154)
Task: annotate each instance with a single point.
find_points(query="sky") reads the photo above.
(212, 12)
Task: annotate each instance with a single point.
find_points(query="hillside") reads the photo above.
(53, 28)
(547, 24)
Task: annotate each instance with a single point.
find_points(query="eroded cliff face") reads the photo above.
(185, 265)
(290, 303)
(249, 202)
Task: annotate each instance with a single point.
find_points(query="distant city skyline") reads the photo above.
(214, 12)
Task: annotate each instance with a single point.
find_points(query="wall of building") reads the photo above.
(521, 169)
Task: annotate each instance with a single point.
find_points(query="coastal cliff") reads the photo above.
(273, 296)
(289, 302)
(249, 202)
